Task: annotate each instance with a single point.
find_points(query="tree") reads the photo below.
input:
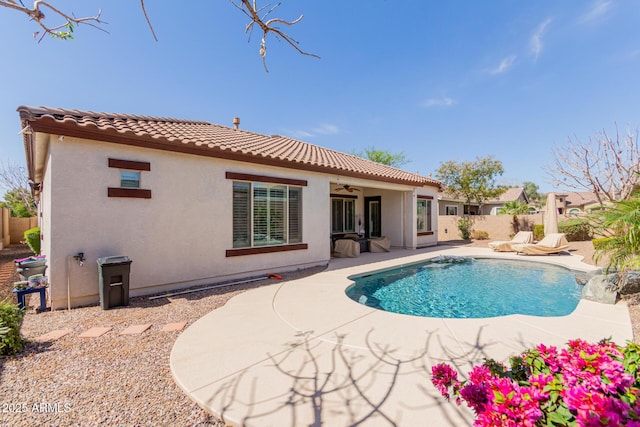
(14, 201)
(472, 181)
(532, 191)
(18, 196)
(603, 165)
(620, 226)
(382, 156)
(68, 22)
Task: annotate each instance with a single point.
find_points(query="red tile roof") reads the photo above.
(204, 138)
(509, 195)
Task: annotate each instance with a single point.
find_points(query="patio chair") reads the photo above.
(552, 243)
(507, 245)
(380, 244)
(346, 248)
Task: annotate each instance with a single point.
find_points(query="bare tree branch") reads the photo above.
(63, 31)
(248, 7)
(605, 166)
(251, 9)
(144, 10)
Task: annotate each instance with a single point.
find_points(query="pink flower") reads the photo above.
(444, 377)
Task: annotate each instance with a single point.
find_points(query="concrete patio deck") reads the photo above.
(301, 353)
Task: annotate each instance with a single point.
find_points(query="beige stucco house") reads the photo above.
(192, 202)
(450, 205)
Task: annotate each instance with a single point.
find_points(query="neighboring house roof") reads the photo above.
(509, 195)
(206, 139)
(580, 199)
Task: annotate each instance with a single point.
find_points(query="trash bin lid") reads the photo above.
(112, 260)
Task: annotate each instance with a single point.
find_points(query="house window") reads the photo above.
(129, 179)
(130, 173)
(451, 210)
(424, 215)
(266, 214)
(343, 215)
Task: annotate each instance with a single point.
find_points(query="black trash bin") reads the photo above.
(113, 272)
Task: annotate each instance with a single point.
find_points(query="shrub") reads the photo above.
(598, 243)
(582, 385)
(479, 235)
(538, 232)
(464, 226)
(576, 230)
(32, 237)
(10, 319)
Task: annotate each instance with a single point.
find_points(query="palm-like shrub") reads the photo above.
(515, 208)
(619, 226)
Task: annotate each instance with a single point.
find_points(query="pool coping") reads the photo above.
(303, 353)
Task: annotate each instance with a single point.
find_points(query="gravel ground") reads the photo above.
(122, 380)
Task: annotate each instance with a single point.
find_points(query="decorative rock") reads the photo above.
(582, 277)
(601, 288)
(630, 283)
(451, 259)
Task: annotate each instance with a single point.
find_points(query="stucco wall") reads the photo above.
(4, 227)
(499, 227)
(17, 227)
(177, 237)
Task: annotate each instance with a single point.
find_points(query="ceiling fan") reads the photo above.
(347, 187)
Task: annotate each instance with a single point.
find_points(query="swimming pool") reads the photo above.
(474, 289)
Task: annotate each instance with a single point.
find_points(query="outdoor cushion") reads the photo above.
(346, 248)
(380, 244)
(506, 245)
(551, 244)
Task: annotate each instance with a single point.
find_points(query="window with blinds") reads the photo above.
(266, 214)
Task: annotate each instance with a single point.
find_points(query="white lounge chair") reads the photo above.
(551, 244)
(507, 245)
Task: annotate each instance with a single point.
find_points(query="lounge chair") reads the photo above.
(551, 244)
(507, 245)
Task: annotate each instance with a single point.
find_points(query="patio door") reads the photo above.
(373, 216)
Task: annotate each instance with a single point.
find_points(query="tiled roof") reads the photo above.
(509, 195)
(581, 199)
(201, 137)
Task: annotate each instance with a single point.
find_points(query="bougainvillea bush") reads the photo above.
(581, 385)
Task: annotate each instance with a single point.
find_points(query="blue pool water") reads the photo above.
(480, 288)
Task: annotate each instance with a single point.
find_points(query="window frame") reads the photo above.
(135, 182)
(129, 191)
(427, 215)
(292, 226)
(345, 200)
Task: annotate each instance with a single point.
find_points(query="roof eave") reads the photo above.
(49, 125)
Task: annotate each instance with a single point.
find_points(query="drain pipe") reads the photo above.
(68, 283)
(188, 291)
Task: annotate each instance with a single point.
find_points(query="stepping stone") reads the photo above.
(53, 335)
(136, 329)
(170, 327)
(94, 332)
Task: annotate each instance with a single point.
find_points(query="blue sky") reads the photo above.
(435, 80)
